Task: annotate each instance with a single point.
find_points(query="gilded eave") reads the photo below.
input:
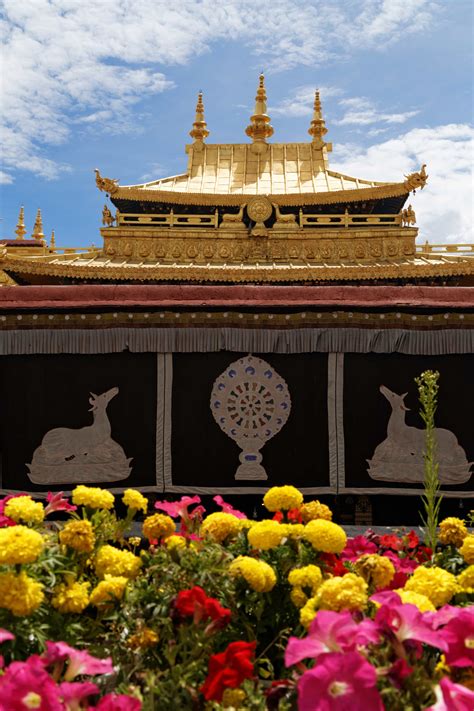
(420, 266)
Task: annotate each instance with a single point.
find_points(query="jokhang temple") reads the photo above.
(257, 320)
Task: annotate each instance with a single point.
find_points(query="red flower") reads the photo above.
(412, 539)
(228, 669)
(278, 516)
(295, 516)
(389, 540)
(333, 564)
(195, 603)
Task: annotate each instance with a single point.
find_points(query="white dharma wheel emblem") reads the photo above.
(250, 402)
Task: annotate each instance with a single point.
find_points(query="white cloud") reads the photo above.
(5, 178)
(444, 208)
(362, 112)
(301, 100)
(91, 60)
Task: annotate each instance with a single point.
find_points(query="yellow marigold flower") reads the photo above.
(174, 542)
(266, 534)
(377, 570)
(314, 510)
(20, 594)
(282, 498)
(220, 526)
(144, 639)
(258, 574)
(467, 549)
(109, 590)
(452, 531)
(233, 698)
(78, 535)
(437, 584)
(348, 592)
(298, 596)
(23, 508)
(71, 597)
(420, 601)
(93, 497)
(116, 562)
(135, 500)
(19, 544)
(466, 578)
(295, 530)
(245, 523)
(308, 612)
(158, 526)
(325, 536)
(134, 541)
(309, 576)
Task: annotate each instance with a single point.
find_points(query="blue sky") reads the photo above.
(113, 83)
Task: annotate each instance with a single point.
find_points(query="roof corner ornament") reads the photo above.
(107, 218)
(20, 225)
(416, 180)
(260, 129)
(408, 216)
(107, 185)
(199, 130)
(318, 126)
(38, 227)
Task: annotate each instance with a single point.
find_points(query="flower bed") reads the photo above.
(219, 611)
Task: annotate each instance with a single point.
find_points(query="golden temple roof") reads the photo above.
(231, 173)
(233, 169)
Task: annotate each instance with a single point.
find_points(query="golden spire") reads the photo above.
(20, 226)
(260, 129)
(38, 226)
(52, 242)
(318, 128)
(199, 130)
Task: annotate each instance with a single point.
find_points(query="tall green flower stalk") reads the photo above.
(428, 395)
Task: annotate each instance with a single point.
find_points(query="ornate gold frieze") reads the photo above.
(236, 245)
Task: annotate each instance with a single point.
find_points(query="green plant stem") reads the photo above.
(428, 395)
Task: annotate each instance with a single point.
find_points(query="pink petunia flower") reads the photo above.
(357, 546)
(331, 632)
(442, 616)
(27, 685)
(80, 661)
(56, 502)
(459, 635)
(5, 635)
(340, 682)
(404, 621)
(74, 692)
(228, 508)
(452, 697)
(118, 702)
(179, 508)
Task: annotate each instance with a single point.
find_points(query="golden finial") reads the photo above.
(318, 128)
(260, 129)
(52, 242)
(38, 226)
(20, 226)
(199, 130)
